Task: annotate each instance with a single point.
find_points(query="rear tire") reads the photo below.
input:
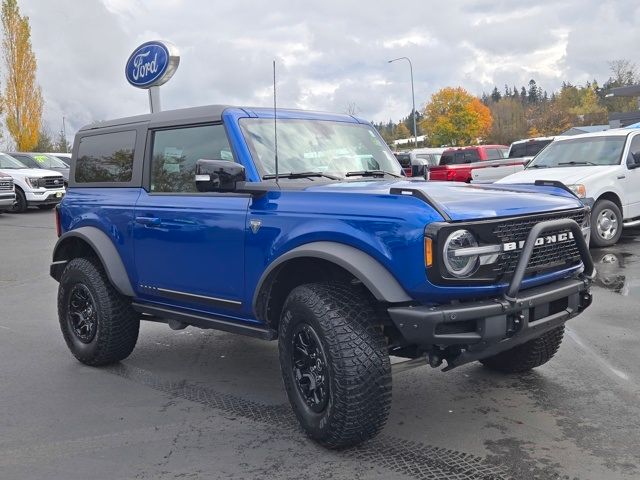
(98, 323)
(527, 356)
(606, 224)
(21, 202)
(335, 365)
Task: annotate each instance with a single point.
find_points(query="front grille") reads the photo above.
(6, 184)
(544, 257)
(53, 182)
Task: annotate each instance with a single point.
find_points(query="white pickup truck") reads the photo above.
(34, 187)
(601, 168)
(519, 154)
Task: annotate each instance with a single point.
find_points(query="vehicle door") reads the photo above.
(189, 246)
(632, 180)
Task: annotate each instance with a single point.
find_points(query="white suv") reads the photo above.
(33, 186)
(602, 169)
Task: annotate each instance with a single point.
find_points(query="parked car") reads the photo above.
(7, 192)
(34, 187)
(602, 169)
(43, 160)
(416, 162)
(455, 162)
(520, 153)
(179, 216)
(65, 157)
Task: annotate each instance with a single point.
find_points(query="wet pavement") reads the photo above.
(205, 404)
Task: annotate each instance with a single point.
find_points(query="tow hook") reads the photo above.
(515, 324)
(585, 300)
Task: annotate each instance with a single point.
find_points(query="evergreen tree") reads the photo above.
(495, 95)
(532, 94)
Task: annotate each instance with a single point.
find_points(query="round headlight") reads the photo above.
(460, 266)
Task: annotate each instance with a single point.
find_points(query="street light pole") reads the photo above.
(413, 99)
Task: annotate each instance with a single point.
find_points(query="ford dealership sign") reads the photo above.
(152, 64)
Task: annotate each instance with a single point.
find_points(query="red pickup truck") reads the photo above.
(455, 163)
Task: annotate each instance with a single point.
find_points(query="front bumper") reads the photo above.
(486, 327)
(7, 200)
(47, 197)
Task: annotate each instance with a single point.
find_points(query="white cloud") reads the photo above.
(330, 54)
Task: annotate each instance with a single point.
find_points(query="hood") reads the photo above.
(566, 175)
(463, 201)
(30, 172)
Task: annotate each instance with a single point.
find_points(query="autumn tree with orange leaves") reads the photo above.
(22, 98)
(455, 117)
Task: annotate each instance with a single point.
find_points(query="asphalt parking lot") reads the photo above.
(205, 404)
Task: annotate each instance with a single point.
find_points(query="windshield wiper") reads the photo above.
(573, 162)
(299, 175)
(538, 166)
(370, 173)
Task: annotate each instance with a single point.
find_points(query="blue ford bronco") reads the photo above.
(307, 232)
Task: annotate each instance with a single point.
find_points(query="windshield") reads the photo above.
(581, 151)
(329, 147)
(9, 162)
(48, 161)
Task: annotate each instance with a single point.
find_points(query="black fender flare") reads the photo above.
(380, 282)
(104, 249)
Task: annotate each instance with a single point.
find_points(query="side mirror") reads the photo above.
(633, 160)
(218, 175)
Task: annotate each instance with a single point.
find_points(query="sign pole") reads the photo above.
(154, 99)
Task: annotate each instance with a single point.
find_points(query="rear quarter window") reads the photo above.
(106, 158)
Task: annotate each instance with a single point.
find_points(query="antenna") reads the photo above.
(275, 118)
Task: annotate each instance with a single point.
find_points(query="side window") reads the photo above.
(471, 156)
(176, 151)
(634, 151)
(107, 157)
(493, 154)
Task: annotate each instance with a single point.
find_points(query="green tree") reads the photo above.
(62, 144)
(402, 131)
(45, 141)
(22, 98)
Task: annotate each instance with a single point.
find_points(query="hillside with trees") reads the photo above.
(454, 117)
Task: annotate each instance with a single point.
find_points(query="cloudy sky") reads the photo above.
(331, 53)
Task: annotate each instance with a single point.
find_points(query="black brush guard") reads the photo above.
(486, 327)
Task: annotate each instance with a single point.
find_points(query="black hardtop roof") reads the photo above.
(196, 114)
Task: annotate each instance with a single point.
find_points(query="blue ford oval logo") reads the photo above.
(152, 64)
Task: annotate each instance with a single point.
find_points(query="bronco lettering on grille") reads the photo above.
(546, 240)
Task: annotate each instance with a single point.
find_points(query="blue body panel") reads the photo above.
(205, 244)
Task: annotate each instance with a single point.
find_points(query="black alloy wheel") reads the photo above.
(309, 364)
(82, 313)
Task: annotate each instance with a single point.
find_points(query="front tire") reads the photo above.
(98, 323)
(527, 356)
(606, 223)
(335, 364)
(21, 202)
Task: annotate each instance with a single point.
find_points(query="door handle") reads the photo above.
(149, 221)
(620, 177)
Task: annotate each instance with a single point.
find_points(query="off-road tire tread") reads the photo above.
(361, 367)
(118, 322)
(527, 356)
